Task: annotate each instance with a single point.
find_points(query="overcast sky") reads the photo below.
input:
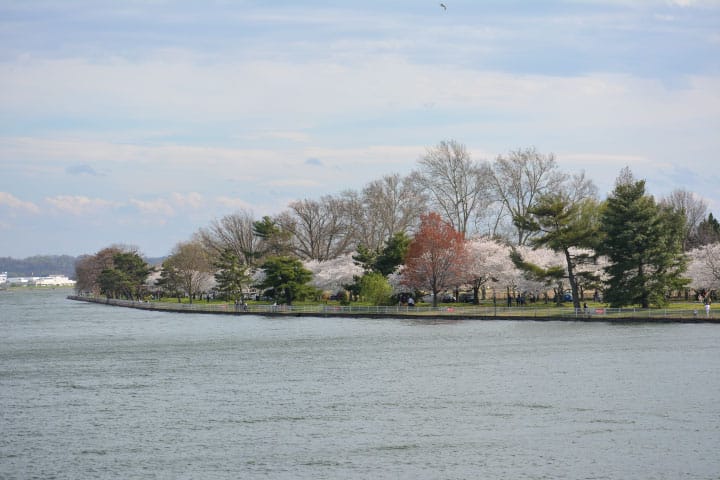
(140, 121)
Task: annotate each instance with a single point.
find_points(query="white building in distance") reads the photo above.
(54, 281)
(47, 281)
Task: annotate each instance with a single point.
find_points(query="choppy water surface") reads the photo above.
(90, 391)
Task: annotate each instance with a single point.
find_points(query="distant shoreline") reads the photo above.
(418, 313)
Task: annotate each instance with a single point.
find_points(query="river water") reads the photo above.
(90, 391)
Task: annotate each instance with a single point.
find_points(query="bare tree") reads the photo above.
(693, 209)
(320, 228)
(455, 182)
(233, 232)
(385, 207)
(395, 204)
(367, 228)
(578, 187)
(191, 266)
(519, 178)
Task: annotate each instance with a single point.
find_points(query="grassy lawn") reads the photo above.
(537, 306)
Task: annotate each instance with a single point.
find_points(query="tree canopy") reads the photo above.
(643, 243)
(565, 226)
(190, 267)
(126, 277)
(231, 275)
(288, 279)
(375, 288)
(386, 260)
(436, 256)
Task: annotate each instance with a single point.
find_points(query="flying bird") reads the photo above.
(444, 6)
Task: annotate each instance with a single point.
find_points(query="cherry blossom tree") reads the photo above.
(540, 269)
(396, 280)
(704, 268)
(436, 256)
(488, 263)
(330, 276)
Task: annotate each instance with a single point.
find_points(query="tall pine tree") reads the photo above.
(567, 227)
(643, 243)
(231, 275)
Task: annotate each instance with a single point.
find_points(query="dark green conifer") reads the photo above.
(643, 243)
(231, 275)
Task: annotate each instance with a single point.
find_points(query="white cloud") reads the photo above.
(292, 182)
(79, 205)
(233, 203)
(274, 93)
(292, 136)
(601, 159)
(160, 207)
(15, 204)
(191, 200)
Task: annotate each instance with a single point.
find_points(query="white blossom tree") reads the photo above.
(488, 264)
(547, 260)
(704, 268)
(331, 275)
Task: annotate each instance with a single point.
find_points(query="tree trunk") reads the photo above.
(572, 280)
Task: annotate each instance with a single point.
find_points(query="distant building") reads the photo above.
(22, 281)
(54, 281)
(48, 281)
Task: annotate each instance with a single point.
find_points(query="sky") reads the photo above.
(138, 122)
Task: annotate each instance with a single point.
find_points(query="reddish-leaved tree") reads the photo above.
(436, 256)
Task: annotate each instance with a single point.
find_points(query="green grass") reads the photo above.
(550, 306)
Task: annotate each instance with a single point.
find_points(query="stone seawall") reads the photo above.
(420, 313)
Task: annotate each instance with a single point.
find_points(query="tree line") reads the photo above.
(427, 231)
(39, 266)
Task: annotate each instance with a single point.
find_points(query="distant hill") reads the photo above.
(42, 265)
(39, 265)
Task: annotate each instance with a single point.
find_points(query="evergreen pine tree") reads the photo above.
(643, 243)
(231, 275)
(565, 226)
